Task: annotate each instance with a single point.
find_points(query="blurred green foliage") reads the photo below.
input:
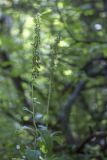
(72, 33)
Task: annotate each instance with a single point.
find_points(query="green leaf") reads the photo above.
(32, 154)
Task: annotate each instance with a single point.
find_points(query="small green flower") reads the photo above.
(36, 43)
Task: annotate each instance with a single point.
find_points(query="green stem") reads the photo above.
(49, 97)
(33, 106)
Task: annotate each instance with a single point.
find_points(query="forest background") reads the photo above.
(53, 79)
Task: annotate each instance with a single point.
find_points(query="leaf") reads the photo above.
(47, 141)
(32, 154)
(27, 110)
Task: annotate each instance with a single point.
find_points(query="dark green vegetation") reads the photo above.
(53, 80)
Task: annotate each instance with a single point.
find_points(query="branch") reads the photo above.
(96, 66)
(66, 112)
(76, 40)
(81, 146)
(21, 7)
(17, 81)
